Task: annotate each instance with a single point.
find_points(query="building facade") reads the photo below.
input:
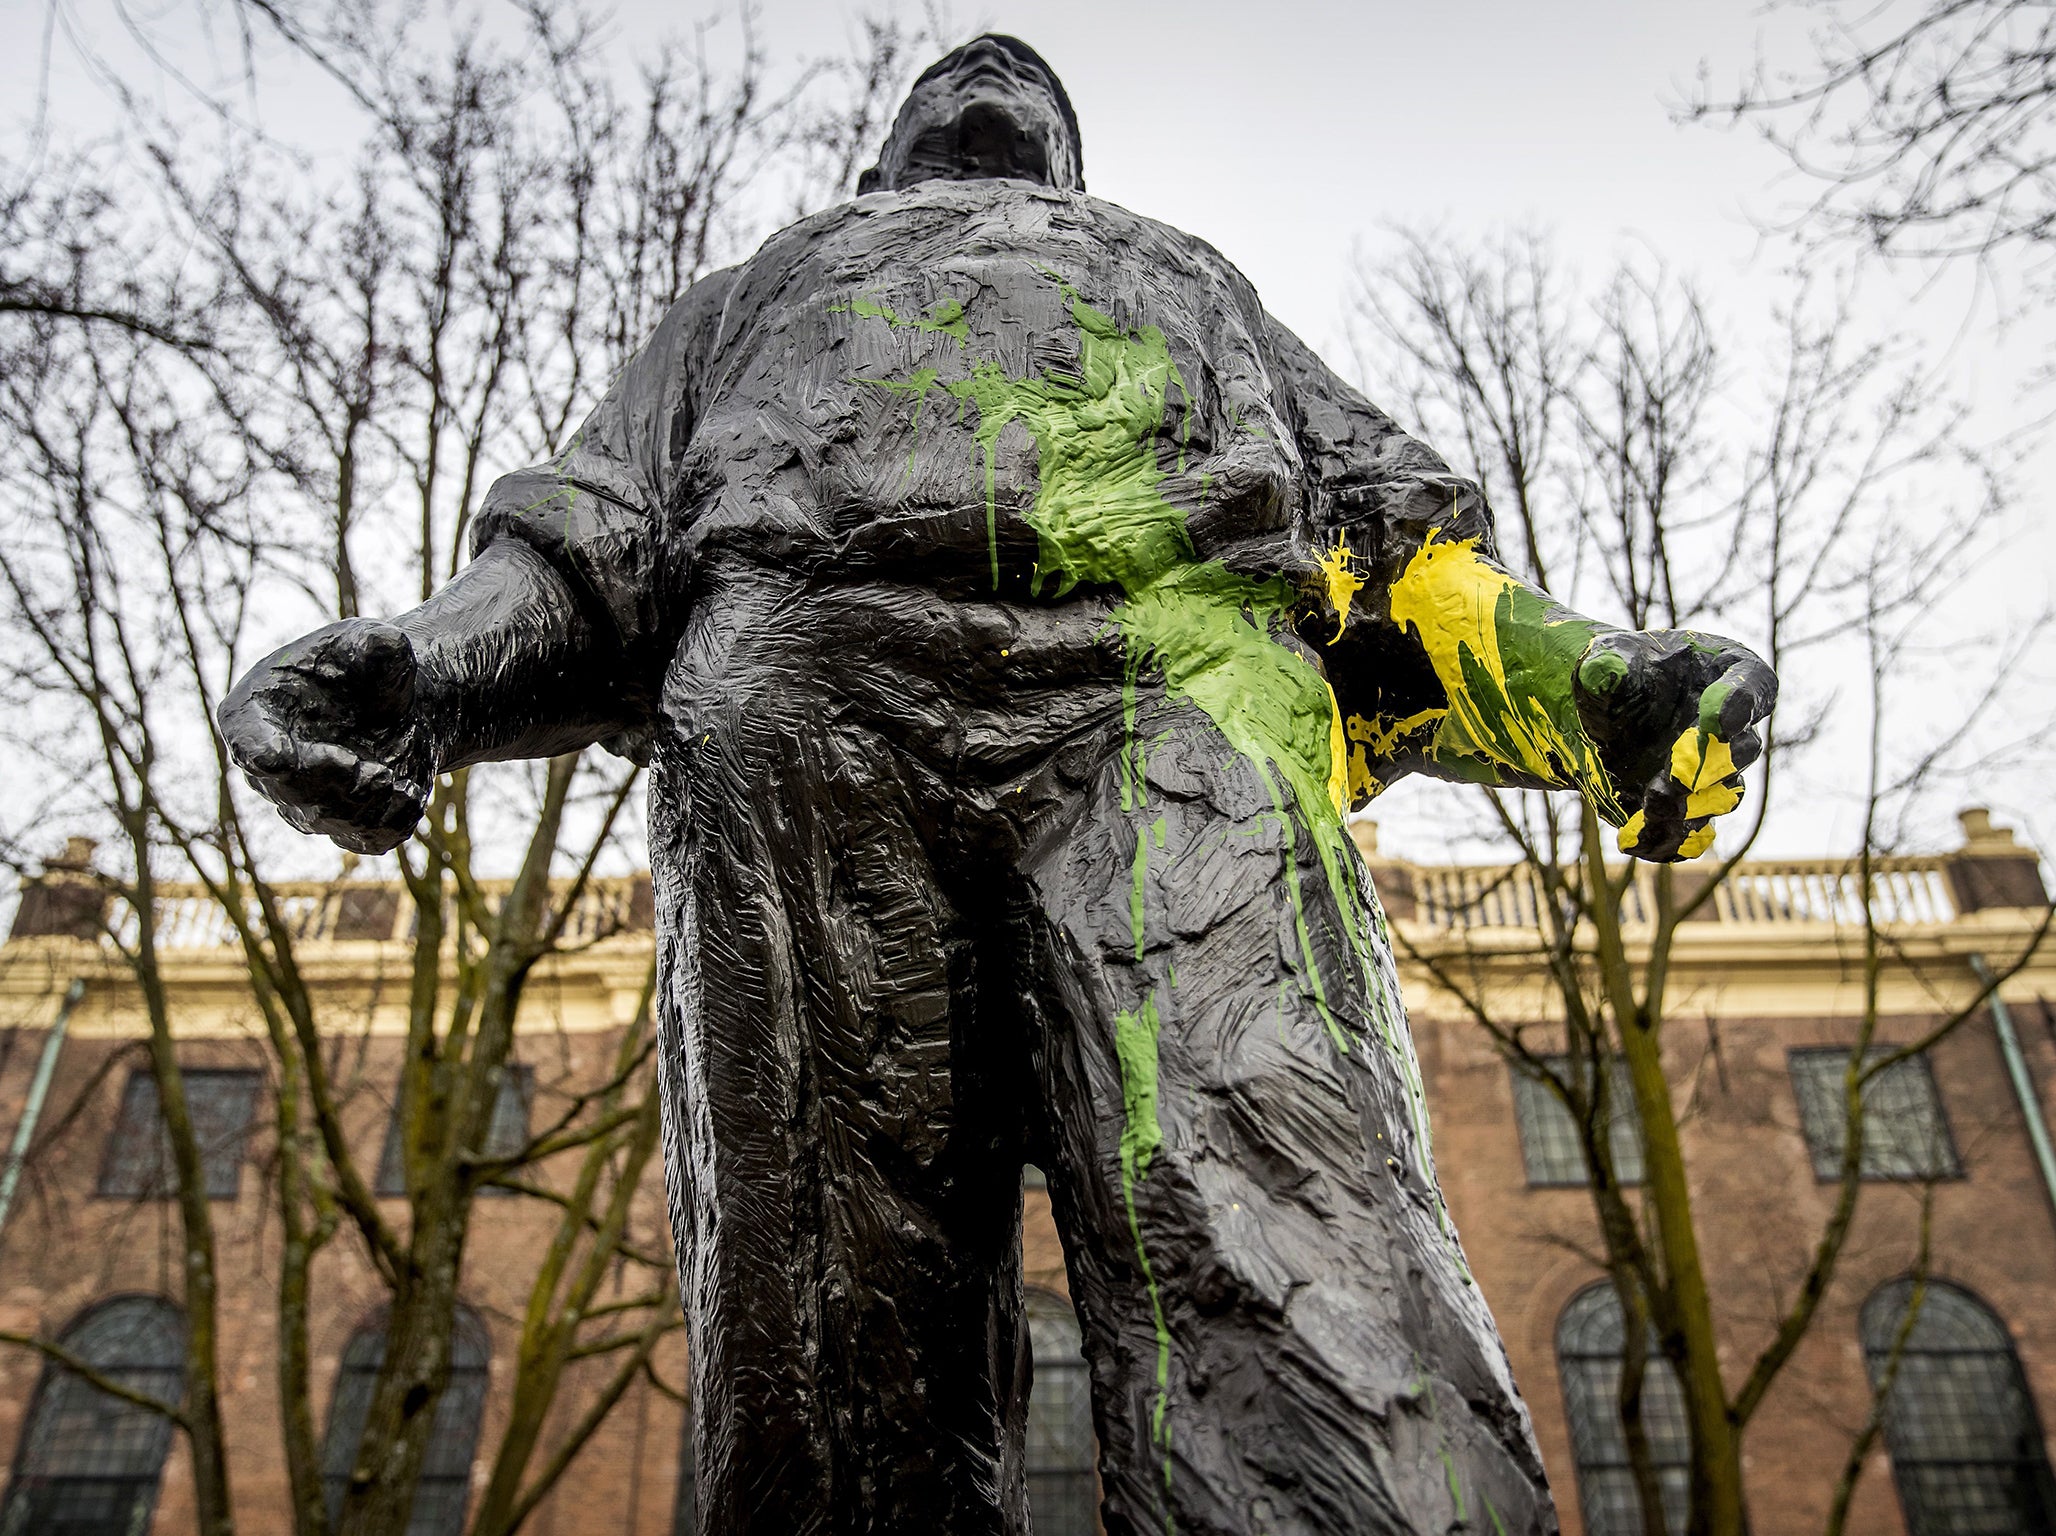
(1765, 996)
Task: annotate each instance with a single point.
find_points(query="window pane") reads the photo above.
(444, 1489)
(139, 1165)
(1969, 1501)
(1613, 1508)
(1966, 1444)
(136, 1165)
(392, 1172)
(1905, 1132)
(1589, 1347)
(505, 1134)
(1550, 1145)
(89, 1463)
(1063, 1490)
(221, 1105)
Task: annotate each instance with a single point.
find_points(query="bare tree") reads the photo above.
(307, 433)
(1928, 128)
(1635, 456)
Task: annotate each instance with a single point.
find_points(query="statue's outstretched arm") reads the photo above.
(554, 636)
(1443, 662)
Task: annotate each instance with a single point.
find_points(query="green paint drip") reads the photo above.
(1386, 1003)
(1135, 1044)
(918, 385)
(1135, 894)
(1455, 1487)
(1306, 943)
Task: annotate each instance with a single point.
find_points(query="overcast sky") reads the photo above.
(1293, 135)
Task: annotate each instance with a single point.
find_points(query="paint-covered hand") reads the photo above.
(1673, 714)
(326, 728)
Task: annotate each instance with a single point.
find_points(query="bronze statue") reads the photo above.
(1010, 609)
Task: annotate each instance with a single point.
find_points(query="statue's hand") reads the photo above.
(1673, 714)
(326, 728)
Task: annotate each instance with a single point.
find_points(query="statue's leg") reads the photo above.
(1282, 1332)
(845, 1189)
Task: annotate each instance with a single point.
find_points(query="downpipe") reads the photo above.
(2016, 1070)
(39, 1090)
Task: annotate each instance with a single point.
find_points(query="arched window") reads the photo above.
(1966, 1443)
(89, 1462)
(1590, 1342)
(1063, 1490)
(445, 1485)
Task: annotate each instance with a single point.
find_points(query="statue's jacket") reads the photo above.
(922, 424)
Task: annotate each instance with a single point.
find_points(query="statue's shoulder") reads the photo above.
(880, 230)
(1010, 238)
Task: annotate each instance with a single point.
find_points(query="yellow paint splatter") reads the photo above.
(1341, 581)
(1338, 756)
(1379, 739)
(1505, 656)
(1383, 733)
(1631, 832)
(1703, 765)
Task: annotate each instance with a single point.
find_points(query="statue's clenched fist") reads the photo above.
(327, 729)
(1673, 714)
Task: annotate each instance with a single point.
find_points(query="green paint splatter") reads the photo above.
(566, 486)
(1097, 512)
(1100, 517)
(1602, 672)
(1508, 681)
(1712, 703)
(1218, 637)
(946, 317)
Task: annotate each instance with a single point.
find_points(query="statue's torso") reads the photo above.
(980, 451)
(841, 396)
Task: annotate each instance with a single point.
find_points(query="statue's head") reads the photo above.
(991, 108)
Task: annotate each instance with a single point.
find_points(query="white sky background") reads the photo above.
(1291, 135)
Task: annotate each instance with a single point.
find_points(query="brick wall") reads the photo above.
(1743, 999)
(1759, 1210)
